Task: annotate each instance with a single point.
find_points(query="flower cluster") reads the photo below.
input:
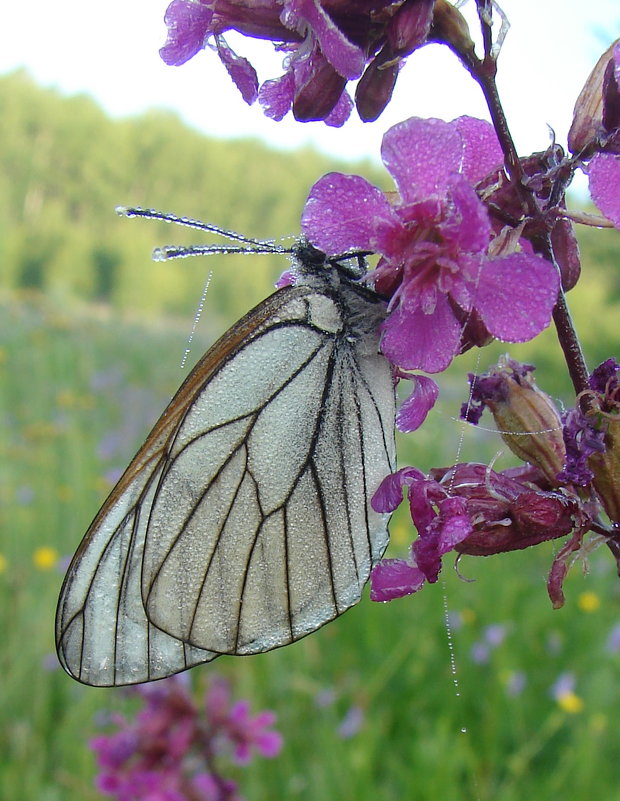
(471, 509)
(434, 239)
(326, 44)
(171, 750)
(570, 477)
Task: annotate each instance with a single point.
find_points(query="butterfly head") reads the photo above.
(312, 261)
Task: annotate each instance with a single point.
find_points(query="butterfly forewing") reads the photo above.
(244, 522)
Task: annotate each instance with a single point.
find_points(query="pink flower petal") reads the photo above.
(276, 96)
(481, 151)
(318, 87)
(456, 525)
(422, 498)
(421, 155)
(413, 411)
(390, 492)
(516, 296)
(269, 743)
(340, 112)
(240, 70)
(188, 26)
(347, 59)
(418, 341)
(470, 221)
(342, 213)
(448, 528)
(286, 279)
(388, 495)
(604, 172)
(394, 578)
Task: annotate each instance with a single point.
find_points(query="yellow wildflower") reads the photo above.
(570, 702)
(588, 602)
(65, 492)
(468, 615)
(45, 558)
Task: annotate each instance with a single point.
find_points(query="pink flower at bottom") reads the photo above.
(172, 749)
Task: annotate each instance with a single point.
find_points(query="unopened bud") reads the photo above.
(450, 27)
(606, 469)
(526, 417)
(588, 113)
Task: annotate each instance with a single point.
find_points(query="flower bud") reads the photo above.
(606, 469)
(526, 417)
(604, 414)
(589, 108)
(450, 27)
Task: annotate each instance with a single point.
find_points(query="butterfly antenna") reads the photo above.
(182, 252)
(188, 222)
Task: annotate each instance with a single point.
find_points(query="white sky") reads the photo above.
(109, 50)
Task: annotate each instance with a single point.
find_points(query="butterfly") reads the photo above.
(244, 522)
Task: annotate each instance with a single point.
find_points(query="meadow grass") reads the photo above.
(79, 391)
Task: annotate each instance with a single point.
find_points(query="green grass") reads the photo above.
(74, 380)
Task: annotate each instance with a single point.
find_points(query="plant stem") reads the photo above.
(484, 74)
(569, 342)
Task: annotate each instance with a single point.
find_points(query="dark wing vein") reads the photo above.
(252, 416)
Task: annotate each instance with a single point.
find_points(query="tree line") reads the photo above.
(65, 166)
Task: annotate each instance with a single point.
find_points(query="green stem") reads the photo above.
(484, 74)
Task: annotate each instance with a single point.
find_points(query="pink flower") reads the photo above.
(249, 732)
(441, 521)
(433, 239)
(242, 730)
(170, 751)
(470, 509)
(412, 412)
(326, 44)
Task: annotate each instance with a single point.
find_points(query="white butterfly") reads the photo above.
(244, 521)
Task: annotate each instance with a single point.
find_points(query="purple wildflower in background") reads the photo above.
(564, 684)
(613, 640)
(325, 44)
(480, 653)
(24, 495)
(234, 722)
(172, 750)
(516, 683)
(433, 239)
(351, 723)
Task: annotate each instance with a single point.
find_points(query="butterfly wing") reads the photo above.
(244, 522)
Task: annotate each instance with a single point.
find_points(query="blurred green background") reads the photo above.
(92, 336)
